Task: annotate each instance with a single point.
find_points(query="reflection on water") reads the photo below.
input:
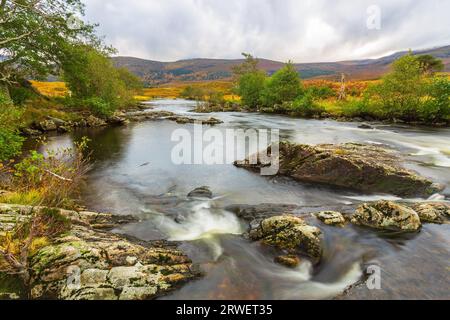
(133, 174)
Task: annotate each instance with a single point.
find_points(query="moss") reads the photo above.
(11, 285)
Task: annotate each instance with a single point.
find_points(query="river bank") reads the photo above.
(320, 115)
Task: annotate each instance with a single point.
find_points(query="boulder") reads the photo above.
(202, 192)
(212, 121)
(93, 122)
(118, 120)
(361, 167)
(432, 212)
(331, 218)
(46, 125)
(58, 122)
(289, 233)
(387, 215)
(85, 263)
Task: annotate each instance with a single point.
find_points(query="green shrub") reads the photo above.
(90, 73)
(436, 107)
(306, 107)
(99, 106)
(250, 88)
(10, 140)
(359, 108)
(20, 95)
(400, 92)
(283, 86)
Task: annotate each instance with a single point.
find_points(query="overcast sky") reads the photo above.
(300, 30)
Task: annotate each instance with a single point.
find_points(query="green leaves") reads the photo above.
(34, 33)
(283, 86)
(95, 82)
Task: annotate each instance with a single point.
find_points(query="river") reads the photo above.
(133, 174)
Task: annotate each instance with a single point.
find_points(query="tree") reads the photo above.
(430, 64)
(249, 81)
(400, 90)
(283, 86)
(193, 93)
(91, 76)
(250, 65)
(33, 34)
(437, 105)
(250, 88)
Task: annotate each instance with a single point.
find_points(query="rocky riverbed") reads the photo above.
(87, 262)
(347, 198)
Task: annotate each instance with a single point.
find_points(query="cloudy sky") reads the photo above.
(300, 30)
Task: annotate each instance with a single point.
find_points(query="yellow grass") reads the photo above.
(51, 89)
(173, 90)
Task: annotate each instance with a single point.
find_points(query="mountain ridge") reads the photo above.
(154, 72)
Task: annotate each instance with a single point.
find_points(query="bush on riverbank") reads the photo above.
(411, 92)
(95, 83)
(10, 140)
(53, 179)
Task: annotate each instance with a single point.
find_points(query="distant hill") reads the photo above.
(155, 72)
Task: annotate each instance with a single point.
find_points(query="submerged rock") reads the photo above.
(290, 261)
(289, 233)
(202, 192)
(432, 212)
(85, 263)
(332, 218)
(185, 120)
(362, 167)
(387, 215)
(365, 126)
(258, 212)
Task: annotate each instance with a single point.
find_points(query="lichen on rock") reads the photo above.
(357, 166)
(432, 212)
(387, 215)
(331, 218)
(289, 233)
(87, 263)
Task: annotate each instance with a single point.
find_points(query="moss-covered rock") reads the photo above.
(290, 261)
(432, 212)
(86, 263)
(387, 215)
(331, 218)
(289, 233)
(357, 166)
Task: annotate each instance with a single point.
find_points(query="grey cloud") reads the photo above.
(308, 30)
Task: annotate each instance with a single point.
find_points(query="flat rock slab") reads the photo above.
(362, 167)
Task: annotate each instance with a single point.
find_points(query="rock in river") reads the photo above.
(361, 167)
(432, 212)
(387, 215)
(290, 261)
(331, 218)
(289, 233)
(86, 263)
(202, 192)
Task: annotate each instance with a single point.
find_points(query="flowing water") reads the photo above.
(133, 174)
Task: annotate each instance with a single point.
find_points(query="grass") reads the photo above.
(32, 197)
(51, 89)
